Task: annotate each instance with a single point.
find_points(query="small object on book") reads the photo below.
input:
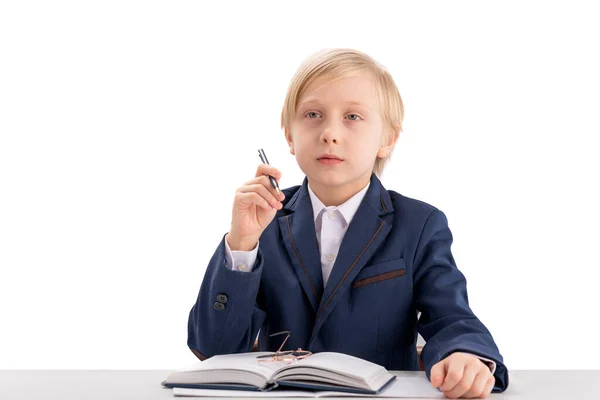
(289, 355)
(320, 371)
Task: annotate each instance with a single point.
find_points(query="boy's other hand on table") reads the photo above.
(462, 375)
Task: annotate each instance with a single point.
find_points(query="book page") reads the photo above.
(238, 362)
(240, 393)
(401, 387)
(357, 369)
(240, 368)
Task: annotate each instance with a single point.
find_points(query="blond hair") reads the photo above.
(340, 63)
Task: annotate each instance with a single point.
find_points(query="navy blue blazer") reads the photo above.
(393, 262)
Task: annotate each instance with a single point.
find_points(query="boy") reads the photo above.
(340, 261)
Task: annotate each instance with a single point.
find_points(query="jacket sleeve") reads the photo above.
(225, 318)
(447, 323)
(240, 260)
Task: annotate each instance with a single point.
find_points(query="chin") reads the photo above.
(329, 178)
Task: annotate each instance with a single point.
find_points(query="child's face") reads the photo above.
(328, 122)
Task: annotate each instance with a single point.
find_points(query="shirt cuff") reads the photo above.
(489, 363)
(239, 260)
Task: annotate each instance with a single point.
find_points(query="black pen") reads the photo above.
(263, 158)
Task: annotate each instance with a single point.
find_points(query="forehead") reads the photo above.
(358, 89)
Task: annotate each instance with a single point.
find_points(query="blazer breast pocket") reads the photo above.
(380, 272)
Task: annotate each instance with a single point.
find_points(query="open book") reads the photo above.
(320, 371)
(411, 386)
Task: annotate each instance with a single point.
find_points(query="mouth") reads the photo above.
(329, 159)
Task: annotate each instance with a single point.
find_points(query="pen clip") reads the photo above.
(263, 156)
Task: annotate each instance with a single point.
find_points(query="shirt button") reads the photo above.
(219, 306)
(221, 298)
(330, 257)
(331, 214)
(242, 267)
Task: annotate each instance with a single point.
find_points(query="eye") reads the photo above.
(312, 112)
(352, 119)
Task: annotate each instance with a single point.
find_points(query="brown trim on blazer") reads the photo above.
(295, 199)
(379, 278)
(382, 204)
(351, 266)
(201, 356)
(287, 221)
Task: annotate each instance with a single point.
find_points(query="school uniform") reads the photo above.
(348, 279)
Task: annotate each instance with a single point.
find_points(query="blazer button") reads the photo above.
(221, 298)
(219, 306)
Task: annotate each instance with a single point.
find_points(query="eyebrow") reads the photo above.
(350, 102)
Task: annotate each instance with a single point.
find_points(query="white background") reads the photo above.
(125, 128)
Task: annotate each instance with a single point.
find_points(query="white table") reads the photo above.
(146, 384)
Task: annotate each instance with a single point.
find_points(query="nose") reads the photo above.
(331, 134)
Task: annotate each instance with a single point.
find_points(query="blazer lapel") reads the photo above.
(299, 236)
(366, 232)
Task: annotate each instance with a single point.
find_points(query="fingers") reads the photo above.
(259, 190)
(266, 169)
(254, 198)
(453, 376)
(465, 383)
(487, 389)
(437, 374)
(482, 386)
(263, 171)
(266, 182)
(268, 195)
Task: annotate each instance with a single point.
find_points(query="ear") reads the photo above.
(288, 138)
(388, 141)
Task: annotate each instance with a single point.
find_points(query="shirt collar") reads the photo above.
(347, 209)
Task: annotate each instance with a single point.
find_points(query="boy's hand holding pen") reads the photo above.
(254, 206)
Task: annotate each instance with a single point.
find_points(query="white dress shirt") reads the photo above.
(331, 224)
